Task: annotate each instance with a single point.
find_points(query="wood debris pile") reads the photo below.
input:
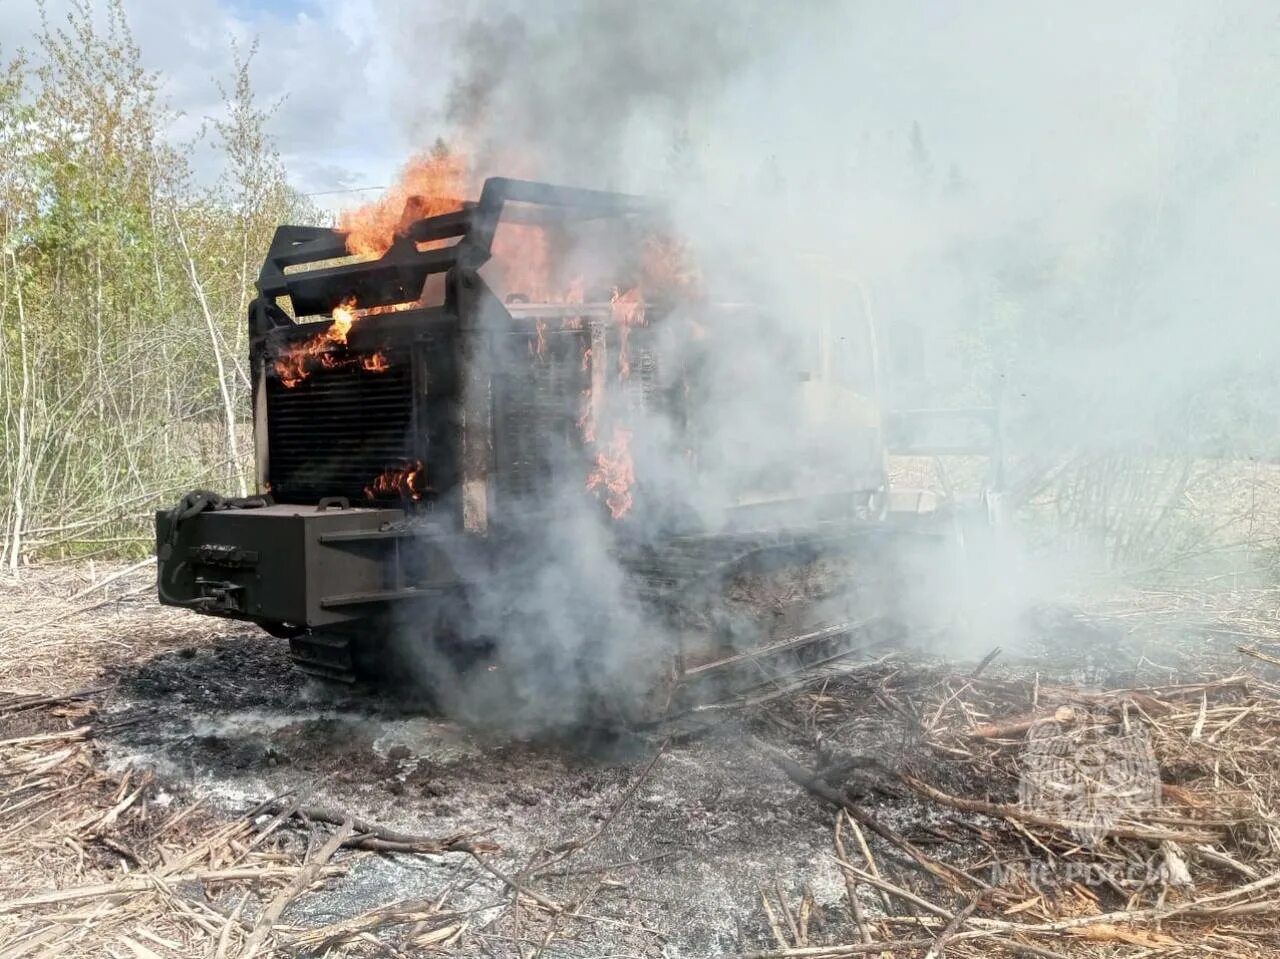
(119, 865)
(1037, 819)
(99, 862)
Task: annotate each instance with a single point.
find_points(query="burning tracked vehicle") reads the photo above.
(510, 436)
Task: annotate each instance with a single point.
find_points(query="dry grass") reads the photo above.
(60, 625)
(98, 863)
(94, 862)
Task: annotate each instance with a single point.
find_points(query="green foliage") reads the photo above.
(123, 291)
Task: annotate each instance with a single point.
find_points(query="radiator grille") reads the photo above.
(339, 429)
(541, 400)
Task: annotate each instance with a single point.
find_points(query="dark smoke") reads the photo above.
(586, 92)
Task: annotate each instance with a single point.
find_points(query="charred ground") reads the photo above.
(660, 842)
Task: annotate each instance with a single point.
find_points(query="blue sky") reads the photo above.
(328, 61)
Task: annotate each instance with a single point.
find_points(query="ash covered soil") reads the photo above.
(680, 867)
(684, 856)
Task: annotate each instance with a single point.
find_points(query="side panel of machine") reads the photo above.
(272, 565)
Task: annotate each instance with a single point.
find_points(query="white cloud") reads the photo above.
(324, 58)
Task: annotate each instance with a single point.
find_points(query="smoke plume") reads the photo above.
(1063, 213)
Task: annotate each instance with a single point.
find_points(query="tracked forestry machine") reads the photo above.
(525, 418)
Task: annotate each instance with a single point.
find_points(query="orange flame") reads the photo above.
(522, 267)
(628, 308)
(432, 183)
(521, 258)
(628, 311)
(614, 474)
(592, 395)
(398, 481)
(294, 364)
(344, 314)
(291, 366)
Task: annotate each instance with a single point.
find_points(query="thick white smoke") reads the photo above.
(1066, 211)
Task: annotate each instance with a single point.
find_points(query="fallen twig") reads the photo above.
(807, 779)
(129, 885)
(1259, 655)
(566, 849)
(375, 837)
(424, 911)
(987, 660)
(891, 947)
(1018, 725)
(305, 877)
(20, 703)
(949, 930)
(850, 886)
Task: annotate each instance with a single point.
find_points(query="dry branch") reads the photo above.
(807, 779)
(21, 703)
(132, 884)
(1007, 811)
(375, 837)
(425, 911)
(305, 877)
(1017, 725)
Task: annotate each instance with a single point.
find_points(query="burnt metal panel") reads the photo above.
(398, 275)
(274, 564)
(498, 191)
(396, 278)
(342, 426)
(475, 406)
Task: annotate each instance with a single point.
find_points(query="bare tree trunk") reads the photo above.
(24, 403)
(242, 328)
(170, 404)
(228, 407)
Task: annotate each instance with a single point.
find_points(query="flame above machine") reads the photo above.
(555, 281)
